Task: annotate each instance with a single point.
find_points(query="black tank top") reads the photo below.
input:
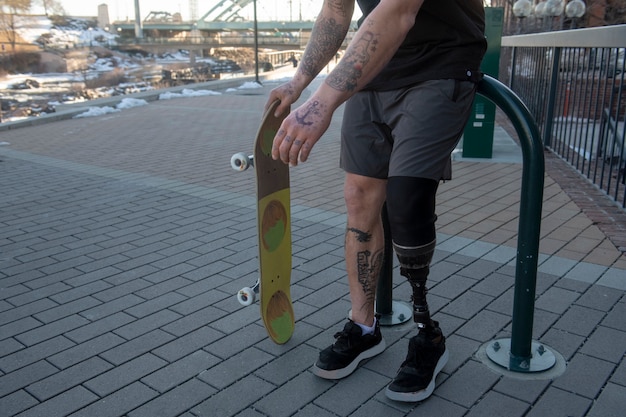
(446, 42)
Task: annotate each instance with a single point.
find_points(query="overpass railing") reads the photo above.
(573, 83)
(225, 39)
(215, 40)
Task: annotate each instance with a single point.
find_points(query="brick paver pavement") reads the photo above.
(124, 237)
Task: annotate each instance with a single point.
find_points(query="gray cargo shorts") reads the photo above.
(407, 132)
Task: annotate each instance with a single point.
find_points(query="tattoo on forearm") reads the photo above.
(337, 6)
(346, 76)
(360, 235)
(290, 89)
(368, 269)
(326, 39)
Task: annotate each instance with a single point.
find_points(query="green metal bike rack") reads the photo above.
(519, 353)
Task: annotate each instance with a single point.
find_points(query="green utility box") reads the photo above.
(478, 134)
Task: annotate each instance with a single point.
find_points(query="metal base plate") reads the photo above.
(542, 358)
(400, 313)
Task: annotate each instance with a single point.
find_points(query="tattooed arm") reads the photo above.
(329, 32)
(374, 44)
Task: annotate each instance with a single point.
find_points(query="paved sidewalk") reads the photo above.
(124, 238)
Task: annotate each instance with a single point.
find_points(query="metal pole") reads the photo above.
(256, 47)
(385, 283)
(520, 358)
(138, 28)
(391, 312)
(513, 67)
(554, 77)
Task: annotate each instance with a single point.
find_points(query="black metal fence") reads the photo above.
(574, 85)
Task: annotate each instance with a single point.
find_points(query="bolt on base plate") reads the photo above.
(541, 359)
(400, 313)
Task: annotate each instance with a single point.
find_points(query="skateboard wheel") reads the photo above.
(246, 296)
(240, 161)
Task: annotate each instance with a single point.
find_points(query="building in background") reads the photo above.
(103, 16)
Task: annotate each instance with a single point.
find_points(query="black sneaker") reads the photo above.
(351, 347)
(415, 380)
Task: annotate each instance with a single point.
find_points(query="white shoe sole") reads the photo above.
(344, 372)
(412, 397)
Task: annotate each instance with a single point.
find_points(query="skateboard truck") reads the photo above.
(241, 161)
(247, 295)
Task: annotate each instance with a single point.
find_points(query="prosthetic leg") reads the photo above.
(411, 207)
(427, 354)
(415, 266)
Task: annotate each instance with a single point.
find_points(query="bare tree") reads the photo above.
(9, 10)
(52, 7)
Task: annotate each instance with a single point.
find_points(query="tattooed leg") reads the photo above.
(364, 243)
(363, 261)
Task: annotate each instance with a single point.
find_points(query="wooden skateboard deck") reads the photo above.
(274, 232)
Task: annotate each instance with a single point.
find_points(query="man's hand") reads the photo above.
(372, 47)
(301, 130)
(287, 93)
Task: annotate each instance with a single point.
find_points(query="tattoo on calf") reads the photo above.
(360, 235)
(368, 266)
